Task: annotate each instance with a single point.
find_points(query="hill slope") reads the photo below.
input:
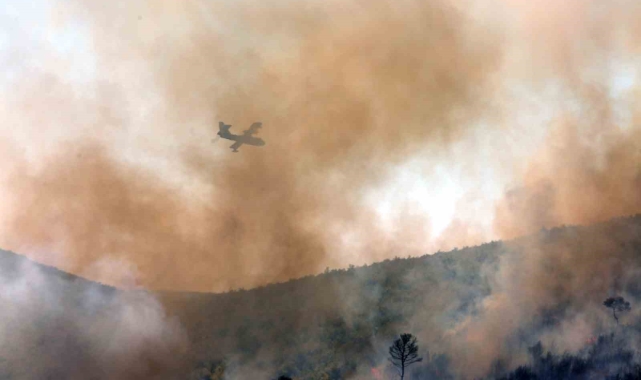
(474, 305)
(335, 317)
(475, 311)
(54, 325)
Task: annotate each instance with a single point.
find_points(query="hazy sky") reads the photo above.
(392, 128)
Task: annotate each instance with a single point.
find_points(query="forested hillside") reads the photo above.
(339, 324)
(532, 308)
(335, 322)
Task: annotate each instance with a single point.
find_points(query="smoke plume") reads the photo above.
(586, 171)
(345, 93)
(109, 149)
(56, 326)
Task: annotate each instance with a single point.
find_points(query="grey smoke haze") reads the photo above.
(54, 328)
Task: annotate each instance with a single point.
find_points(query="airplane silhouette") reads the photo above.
(245, 138)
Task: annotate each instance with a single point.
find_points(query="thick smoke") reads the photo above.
(345, 92)
(587, 170)
(56, 326)
(118, 161)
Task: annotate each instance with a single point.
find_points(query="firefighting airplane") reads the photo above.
(245, 138)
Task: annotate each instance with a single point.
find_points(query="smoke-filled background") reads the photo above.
(391, 127)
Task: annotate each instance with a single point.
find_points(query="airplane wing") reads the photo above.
(253, 129)
(236, 145)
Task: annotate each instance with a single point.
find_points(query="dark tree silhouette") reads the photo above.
(617, 304)
(404, 351)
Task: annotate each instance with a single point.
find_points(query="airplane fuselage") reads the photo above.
(249, 140)
(245, 138)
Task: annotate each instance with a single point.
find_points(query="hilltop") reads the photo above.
(334, 325)
(56, 325)
(339, 323)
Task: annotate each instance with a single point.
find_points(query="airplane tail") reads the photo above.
(223, 129)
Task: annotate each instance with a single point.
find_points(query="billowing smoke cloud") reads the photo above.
(587, 170)
(345, 92)
(57, 326)
(580, 178)
(118, 160)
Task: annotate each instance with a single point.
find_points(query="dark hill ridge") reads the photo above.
(335, 315)
(12, 266)
(340, 322)
(333, 325)
(55, 325)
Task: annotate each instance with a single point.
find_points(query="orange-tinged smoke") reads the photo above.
(111, 154)
(345, 92)
(587, 170)
(575, 181)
